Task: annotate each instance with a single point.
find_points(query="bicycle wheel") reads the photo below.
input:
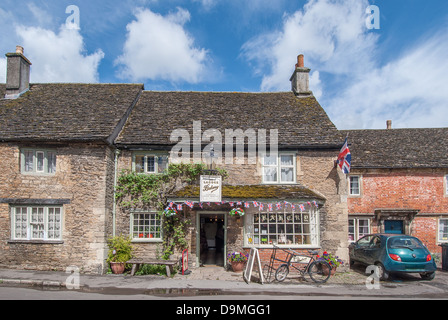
(319, 271)
(281, 272)
(268, 273)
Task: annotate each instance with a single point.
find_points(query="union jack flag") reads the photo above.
(345, 158)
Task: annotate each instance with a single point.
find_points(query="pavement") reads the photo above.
(215, 280)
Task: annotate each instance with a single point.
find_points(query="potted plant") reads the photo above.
(237, 261)
(332, 260)
(169, 212)
(120, 251)
(236, 212)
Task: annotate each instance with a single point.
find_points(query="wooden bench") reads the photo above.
(136, 263)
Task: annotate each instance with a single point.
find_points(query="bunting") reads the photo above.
(246, 204)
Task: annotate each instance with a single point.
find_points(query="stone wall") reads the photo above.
(82, 173)
(315, 170)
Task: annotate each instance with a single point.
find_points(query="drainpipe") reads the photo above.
(114, 208)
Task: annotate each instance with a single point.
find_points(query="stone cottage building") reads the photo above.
(398, 183)
(295, 199)
(57, 169)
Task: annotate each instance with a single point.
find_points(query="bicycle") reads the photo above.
(318, 270)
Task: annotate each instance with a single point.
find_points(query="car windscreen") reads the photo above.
(404, 242)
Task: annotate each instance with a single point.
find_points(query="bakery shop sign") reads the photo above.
(211, 188)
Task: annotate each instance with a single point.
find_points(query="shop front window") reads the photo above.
(282, 227)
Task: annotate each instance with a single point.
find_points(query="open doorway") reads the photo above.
(212, 247)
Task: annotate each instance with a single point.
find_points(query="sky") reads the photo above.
(370, 60)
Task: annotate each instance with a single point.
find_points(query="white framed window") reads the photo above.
(36, 223)
(358, 228)
(282, 227)
(146, 226)
(443, 230)
(34, 161)
(150, 163)
(354, 185)
(279, 168)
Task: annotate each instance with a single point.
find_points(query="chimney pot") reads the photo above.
(300, 61)
(19, 49)
(389, 124)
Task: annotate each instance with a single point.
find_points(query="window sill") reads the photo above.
(283, 246)
(35, 241)
(146, 240)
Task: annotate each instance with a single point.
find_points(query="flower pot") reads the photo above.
(238, 266)
(326, 271)
(117, 267)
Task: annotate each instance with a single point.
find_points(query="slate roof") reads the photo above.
(67, 112)
(399, 148)
(301, 122)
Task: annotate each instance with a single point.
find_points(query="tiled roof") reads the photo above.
(66, 112)
(399, 148)
(301, 122)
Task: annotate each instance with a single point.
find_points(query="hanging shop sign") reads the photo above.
(211, 189)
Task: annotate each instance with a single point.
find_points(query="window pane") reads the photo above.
(29, 161)
(162, 163)
(287, 175)
(363, 227)
(37, 223)
(354, 185)
(54, 223)
(287, 160)
(139, 164)
(151, 164)
(270, 174)
(51, 159)
(146, 226)
(270, 160)
(40, 161)
(351, 229)
(443, 229)
(21, 223)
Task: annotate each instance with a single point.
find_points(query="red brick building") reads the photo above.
(398, 183)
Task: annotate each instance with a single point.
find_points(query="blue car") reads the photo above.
(393, 253)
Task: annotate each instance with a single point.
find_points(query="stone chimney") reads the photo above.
(300, 79)
(17, 74)
(389, 124)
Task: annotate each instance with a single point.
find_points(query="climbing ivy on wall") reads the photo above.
(142, 191)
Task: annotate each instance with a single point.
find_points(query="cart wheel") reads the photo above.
(319, 271)
(282, 272)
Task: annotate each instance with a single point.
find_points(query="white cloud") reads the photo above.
(59, 57)
(158, 48)
(331, 34)
(2, 70)
(356, 90)
(411, 91)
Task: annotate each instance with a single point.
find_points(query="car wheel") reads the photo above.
(428, 275)
(383, 274)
